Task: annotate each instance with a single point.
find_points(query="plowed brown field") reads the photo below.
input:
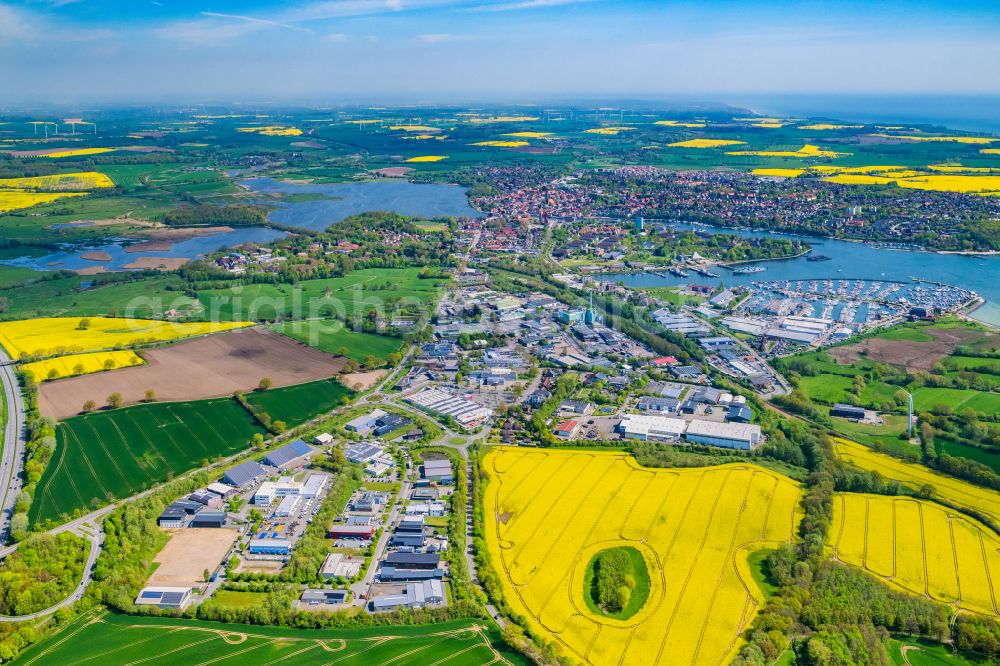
(208, 367)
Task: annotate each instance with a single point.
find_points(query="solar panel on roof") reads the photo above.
(172, 598)
(150, 594)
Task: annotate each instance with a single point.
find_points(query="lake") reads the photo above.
(426, 200)
(852, 261)
(399, 196)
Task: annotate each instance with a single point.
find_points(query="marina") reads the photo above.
(852, 261)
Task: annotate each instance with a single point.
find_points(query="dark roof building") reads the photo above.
(244, 473)
(412, 560)
(739, 414)
(209, 519)
(848, 411)
(288, 453)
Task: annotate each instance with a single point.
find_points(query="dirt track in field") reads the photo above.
(208, 367)
(911, 354)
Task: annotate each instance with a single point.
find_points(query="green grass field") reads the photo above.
(332, 336)
(958, 399)
(924, 653)
(384, 290)
(63, 296)
(118, 639)
(107, 455)
(297, 404)
(959, 450)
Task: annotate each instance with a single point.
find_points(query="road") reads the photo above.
(362, 589)
(12, 460)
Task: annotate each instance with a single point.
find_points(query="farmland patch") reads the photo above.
(208, 367)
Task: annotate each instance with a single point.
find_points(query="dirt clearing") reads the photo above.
(913, 355)
(208, 367)
(366, 380)
(189, 553)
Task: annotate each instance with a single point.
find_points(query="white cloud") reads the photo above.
(19, 25)
(255, 21)
(338, 37)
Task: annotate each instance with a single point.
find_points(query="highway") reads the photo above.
(12, 461)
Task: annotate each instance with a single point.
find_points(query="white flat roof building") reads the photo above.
(729, 435)
(323, 439)
(652, 428)
(466, 412)
(287, 506)
(313, 486)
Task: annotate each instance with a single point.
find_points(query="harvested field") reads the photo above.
(208, 367)
(158, 263)
(190, 551)
(917, 353)
(362, 381)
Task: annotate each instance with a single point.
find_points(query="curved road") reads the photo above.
(13, 445)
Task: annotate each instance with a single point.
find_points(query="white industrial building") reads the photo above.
(313, 486)
(415, 595)
(466, 413)
(272, 490)
(652, 428)
(287, 506)
(743, 436)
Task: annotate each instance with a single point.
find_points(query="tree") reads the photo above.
(265, 383)
(372, 362)
(78, 369)
(393, 358)
(109, 364)
(53, 373)
(206, 575)
(83, 325)
(115, 400)
(89, 406)
(150, 395)
(342, 351)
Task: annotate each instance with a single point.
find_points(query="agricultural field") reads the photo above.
(207, 367)
(333, 337)
(55, 336)
(954, 491)
(112, 454)
(297, 404)
(384, 290)
(549, 512)
(81, 296)
(105, 638)
(80, 364)
(921, 547)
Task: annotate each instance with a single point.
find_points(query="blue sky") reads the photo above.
(507, 50)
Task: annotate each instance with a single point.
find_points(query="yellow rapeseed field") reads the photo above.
(15, 199)
(829, 168)
(807, 150)
(428, 158)
(919, 546)
(705, 143)
(781, 173)
(78, 152)
(829, 126)
(953, 139)
(611, 131)
(951, 490)
(858, 179)
(990, 151)
(954, 183)
(502, 144)
(770, 125)
(958, 168)
(86, 180)
(56, 336)
(678, 123)
(529, 135)
(549, 511)
(272, 130)
(81, 364)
